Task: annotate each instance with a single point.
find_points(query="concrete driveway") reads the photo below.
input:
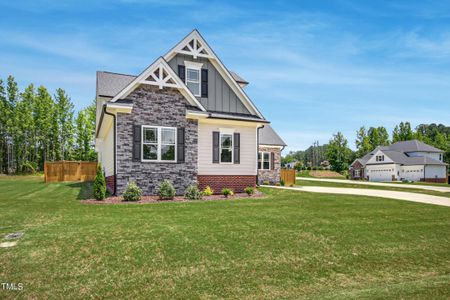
(414, 197)
(436, 188)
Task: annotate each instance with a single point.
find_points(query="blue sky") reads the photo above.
(315, 67)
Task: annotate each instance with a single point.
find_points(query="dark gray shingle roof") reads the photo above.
(413, 146)
(110, 84)
(268, 136)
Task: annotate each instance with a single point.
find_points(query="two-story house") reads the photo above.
(408, 160)
(185, 118)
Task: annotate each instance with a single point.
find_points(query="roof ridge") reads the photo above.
(116, 73)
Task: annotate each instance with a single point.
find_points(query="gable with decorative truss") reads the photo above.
(161, 75)
(194, 45)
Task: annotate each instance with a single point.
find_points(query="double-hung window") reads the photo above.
(264, 160)
(159, 143)
(226, 148)
(193, 77)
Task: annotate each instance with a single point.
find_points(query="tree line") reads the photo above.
(340, 156)
(36, 126)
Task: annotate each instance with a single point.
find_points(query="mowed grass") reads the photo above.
(287, 245)
(301, 182)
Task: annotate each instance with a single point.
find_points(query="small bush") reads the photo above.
(193, 193)
(249, 190)
(266, 182)
(282, 182)
(227, 192)
(132, 192)
(208, 191)
(166, 190)
(277, 183)
(99, 184)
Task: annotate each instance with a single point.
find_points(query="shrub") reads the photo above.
(227, 192)
(266, 182)
(132, 192)
(282, 182)
(193, 193)
(277, 183)
(99, 184)
(166, 190)
(208, 191)
(308, 168)
(249, 190)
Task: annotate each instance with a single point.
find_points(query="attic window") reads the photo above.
(193, 77)
(380, 158)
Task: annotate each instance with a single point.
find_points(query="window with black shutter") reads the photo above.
(136, 142)
(204, 87)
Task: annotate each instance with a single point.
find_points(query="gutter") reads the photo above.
(114, 145)
(257, 150)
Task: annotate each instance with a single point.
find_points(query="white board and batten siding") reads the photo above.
(248, 157)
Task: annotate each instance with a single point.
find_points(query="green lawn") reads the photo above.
(288, 245)
(368, 186)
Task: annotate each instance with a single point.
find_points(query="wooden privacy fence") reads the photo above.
(288, 176)
(57, 171)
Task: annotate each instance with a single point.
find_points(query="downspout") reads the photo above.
(114, 146)
(257, 151)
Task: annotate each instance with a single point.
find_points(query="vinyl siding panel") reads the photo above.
(248, 156)
(106, 153)
(435, 171)
(220, 96)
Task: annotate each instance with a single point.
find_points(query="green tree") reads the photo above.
(85, 134)
(44, 112)
(403, 132)
(12, 92)
(64, 111)
(3, 132)
(362, 142)
(338, 153)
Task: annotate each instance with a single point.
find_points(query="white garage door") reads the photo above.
(381, 174)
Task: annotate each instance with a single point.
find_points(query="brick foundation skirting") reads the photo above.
(110, 183)
(436, 180)
(235, 182)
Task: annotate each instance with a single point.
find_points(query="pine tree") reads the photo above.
(3, 133)
(12, 92)
(64, 112)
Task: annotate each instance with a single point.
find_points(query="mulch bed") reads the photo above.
(155, 199)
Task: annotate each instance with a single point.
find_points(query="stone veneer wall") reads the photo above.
(273, 176)
(159, 107)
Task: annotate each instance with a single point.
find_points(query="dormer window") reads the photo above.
(193, 77)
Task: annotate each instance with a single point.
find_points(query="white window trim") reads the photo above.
(159, 144)
(220, 148)
(262, 160)
(194, 66)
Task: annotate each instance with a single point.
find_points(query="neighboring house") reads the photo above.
(409, 160)
(269, 155)
(185, 118)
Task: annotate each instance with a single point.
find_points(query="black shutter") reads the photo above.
(137, 142)
(182, 73)
(180, 145)
(215, 147)
(272, 160)
(237, 147)
(204, 83)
